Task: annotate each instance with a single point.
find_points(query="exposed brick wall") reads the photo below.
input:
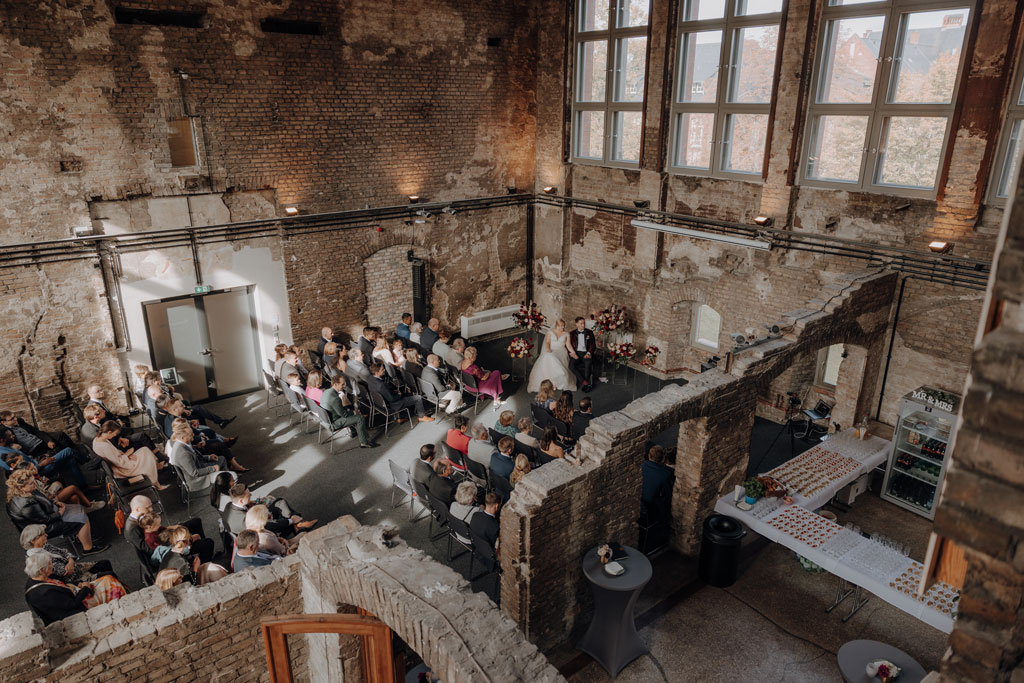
(388, 277)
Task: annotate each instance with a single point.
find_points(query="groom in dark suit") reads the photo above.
(582, 345)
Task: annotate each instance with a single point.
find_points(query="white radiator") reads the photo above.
(486, 322)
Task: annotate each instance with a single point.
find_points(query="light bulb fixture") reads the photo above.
(763, 221)
(642, 203)
(421, 216)
(550, 189)
(414, 199)
(702, 235)
(448, 210)
(940, 247)
(291, 210)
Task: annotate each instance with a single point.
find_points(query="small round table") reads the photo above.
(612, 638)
(854, 657)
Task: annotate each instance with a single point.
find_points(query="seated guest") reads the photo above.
(545, 397)
(207, 440)
(139, 373)
(382, 352)
(295, 383)
(449, 397)
(581, 418)
(97, 395)
(129, 463)
(290, 365)
(423, 469)
(283, 521)
(247, 552)
(95, 415)
(412, 363)
(525, 435)
(52, 600)
(563, 409)
(199, 470)
(141, 505)
(398, 353)
(656, 483)
(355, 367)
(299, 365)
(367, 342)
(429, 335)
(256, 519)
(66, 463)
(396, 403)
(488, 382)
(54, 490)
(333, 402)
(441, 348)
(27, 505)
(65, 568)
(33, 441)
(279, 351)
(457, 437)
(441, 485)
(549, 443)
(414, 333)
(485, 524)
(501, 458)
(175, 553)
(504, 424)
(464, 506)
(152, 525)
(313, 382)
(326, 337)
(330, 358)
(167, 579)
(457, 353)
(403, 331)
(157, 388)
(480, 447)
(523, 468)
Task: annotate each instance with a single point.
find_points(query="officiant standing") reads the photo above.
(581, 346)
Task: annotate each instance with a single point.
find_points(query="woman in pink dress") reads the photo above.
(488, 382)
(129, 463)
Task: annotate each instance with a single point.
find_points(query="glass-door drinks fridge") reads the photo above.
(920, 450)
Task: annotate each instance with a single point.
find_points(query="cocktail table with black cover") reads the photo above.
(853, 658)
(612, 638)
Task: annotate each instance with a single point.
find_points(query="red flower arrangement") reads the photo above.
(612, 319)
(520, 347)
(620, 354)
(529, 317)
(651, 355)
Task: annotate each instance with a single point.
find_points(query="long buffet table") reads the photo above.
(813, 478)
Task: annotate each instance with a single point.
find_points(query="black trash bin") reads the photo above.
(720, 550)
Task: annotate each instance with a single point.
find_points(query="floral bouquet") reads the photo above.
(613, 319)
(520, 347)
(529, 317)
(620, 354)
(651, 355)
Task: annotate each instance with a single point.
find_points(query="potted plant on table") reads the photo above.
(753, 490)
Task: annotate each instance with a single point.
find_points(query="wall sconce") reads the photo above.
(448, 210)
(291, 210)
(550, 189)
(642, 203)
(421, 216)
(414, 199)
(940, 247)
(763, 221)
(81, 230)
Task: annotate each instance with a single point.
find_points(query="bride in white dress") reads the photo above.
(553, 363)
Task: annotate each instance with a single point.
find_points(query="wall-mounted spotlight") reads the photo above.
(550, 189)
(940, 247)
(448, 210)
(763, 221)
(414, 199)
(81, 230)
(291, 210)
(181, 73)
(421, 216)
(642, 203)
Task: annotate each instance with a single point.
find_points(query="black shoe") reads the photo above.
(352, 432)
(96, 548)
(226, 422)
(369, 444)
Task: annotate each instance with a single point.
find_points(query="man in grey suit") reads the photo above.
(422, 469)
(367, 341)
(355, 367)
(446, 393)
(429, 335)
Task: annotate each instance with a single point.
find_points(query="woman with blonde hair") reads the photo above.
(522, 468)
(398, 352)
(256, 519)
(488, 382)
(26, 505)
(173, 553)
(504, 424)
(545, 395)
(166, 579)
(130, 463)
(313, 390)
(382, 352)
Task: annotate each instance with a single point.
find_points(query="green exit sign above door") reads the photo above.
(201, 289)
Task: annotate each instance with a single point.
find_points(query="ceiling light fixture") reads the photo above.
(940, 247)
(763, 221)
(702, 235)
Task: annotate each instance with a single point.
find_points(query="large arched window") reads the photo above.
(707, 326)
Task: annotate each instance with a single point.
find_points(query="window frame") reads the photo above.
(612, 36)
(721, 108)
(193, 136)
(1014, 113)
(821, 366)
(695, 339)
(878, 110)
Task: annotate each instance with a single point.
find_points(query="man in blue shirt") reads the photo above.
(403, 327)
(66, 461)
(247, 552)
(501, 459)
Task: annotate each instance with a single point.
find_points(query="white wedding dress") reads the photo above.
(552, 365)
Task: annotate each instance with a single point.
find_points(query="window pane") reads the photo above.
(626, 136)
(928, 56)
(181, 143)
(833, 359)
(753, 64)
(837, 144)
(590, 134)
(1012, 146)
(749, 7)
(633, 13)
(700, 53)
(693, 140)
(593, 15)
(629, 72)
(1020, 99)
(709, 325)
(851, 2)
(698, 10)
(592, 69)
(851, 57)
(743, 143)
(910, 151)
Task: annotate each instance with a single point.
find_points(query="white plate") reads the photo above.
(614, 568)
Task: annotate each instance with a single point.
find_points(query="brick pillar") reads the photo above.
(851, 378)
(711, 459)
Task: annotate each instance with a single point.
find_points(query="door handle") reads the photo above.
(205, 352)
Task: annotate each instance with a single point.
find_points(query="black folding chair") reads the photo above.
(362, 392)
(518, 447)
(495, 435)
(295, 402)
(477, 473)
(459, 532)
(469, 386)
(379, 406)
(455, 456)
(484, 552)
(273, 391)
(541, 415)
(542, 457)
(420, 493)
(440, 511)
(424, 497)
(502, 486)
(124, 490)
(429, 393)
(316, 359)
(147, 572)
(409, 380)
(325, 422)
